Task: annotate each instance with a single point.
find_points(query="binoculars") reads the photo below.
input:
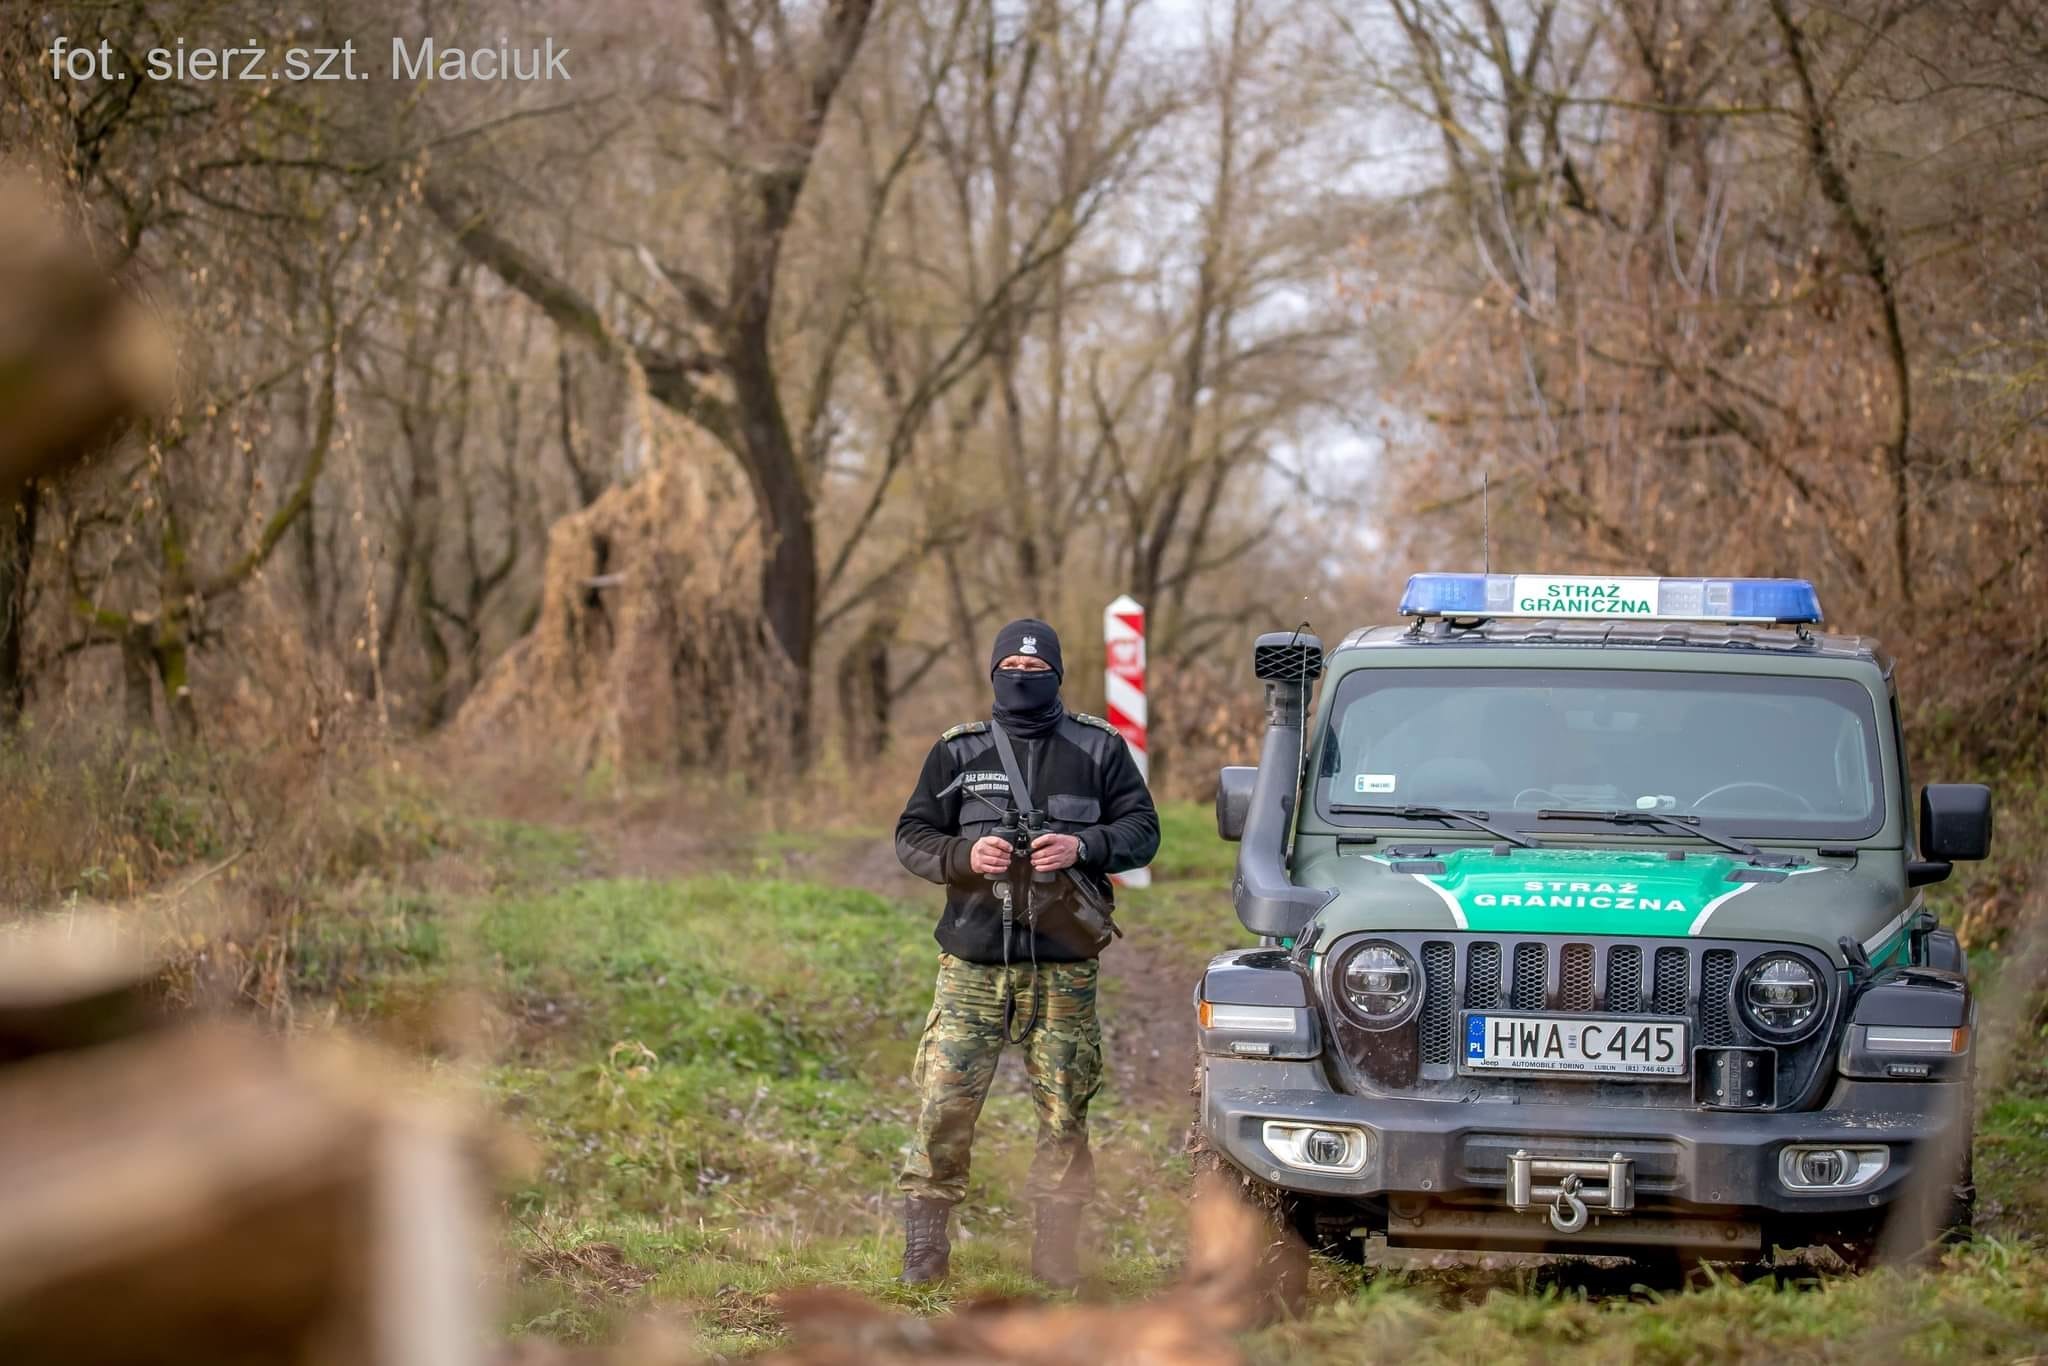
(1020, 831)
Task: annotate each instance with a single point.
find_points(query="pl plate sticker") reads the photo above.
(1373, 782)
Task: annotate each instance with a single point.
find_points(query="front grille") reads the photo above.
(1577, 991)
(1529, 977)
(1673, 978)
(1483, 976)
(1465, 971)
(1439, 1008)
(1529, 984)
(1625, 979)
(1717, 977)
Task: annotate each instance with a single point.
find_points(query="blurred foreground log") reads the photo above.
(211, 1193)
(1241, 1271)
(77, 357)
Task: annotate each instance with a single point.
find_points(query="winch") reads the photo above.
(1568, 1196)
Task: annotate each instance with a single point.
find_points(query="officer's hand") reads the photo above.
(989, 856)
(1050, 853)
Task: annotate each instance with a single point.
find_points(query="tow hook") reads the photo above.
(1568, 1212)
(1570, 1201)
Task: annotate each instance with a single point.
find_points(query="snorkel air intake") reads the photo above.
(1287, 663)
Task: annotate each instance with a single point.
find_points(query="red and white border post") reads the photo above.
(1123, 638)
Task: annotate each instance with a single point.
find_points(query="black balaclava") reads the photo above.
(1027, 700)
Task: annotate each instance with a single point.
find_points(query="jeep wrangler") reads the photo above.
(1588, 924)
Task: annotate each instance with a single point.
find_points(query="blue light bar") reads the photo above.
(1605, 598)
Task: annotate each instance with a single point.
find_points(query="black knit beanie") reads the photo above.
(1028, 636)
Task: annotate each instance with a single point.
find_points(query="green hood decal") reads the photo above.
(1578, 891)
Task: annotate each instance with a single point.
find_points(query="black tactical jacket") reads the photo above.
(1086, 783)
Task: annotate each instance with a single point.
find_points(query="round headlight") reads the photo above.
(1380, 985)
(1781, 997)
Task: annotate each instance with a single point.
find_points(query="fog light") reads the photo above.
(1324, 1148)
(1313, 1148)
(1818, 1168)
(1822, 1167)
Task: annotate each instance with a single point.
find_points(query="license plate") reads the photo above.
(1587, 1047)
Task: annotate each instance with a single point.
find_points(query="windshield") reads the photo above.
(1771, 756)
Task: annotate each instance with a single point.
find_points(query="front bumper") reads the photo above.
(1686, 1161)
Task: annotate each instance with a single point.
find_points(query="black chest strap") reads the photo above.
(1020, 791)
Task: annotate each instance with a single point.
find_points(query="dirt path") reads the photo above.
(1149, 1031)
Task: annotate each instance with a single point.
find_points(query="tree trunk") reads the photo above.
(789, 581)
(430, 640)
(17, 556)
(973, 667)
(865, 691)
(789, 600)
(173, 669)
(138, 681)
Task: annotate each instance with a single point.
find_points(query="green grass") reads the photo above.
(2012, 1145)
(1188, 923)
(1189, 848)
(521, 854)
(1989, 1302)
(720, 1031)
(2012, 1162)
(1186, 913)
(726, 1098)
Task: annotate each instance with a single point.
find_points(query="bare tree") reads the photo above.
(1731, 288)
(768, 100)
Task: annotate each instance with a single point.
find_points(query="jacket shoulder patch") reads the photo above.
(965, 728)
(1085, 719)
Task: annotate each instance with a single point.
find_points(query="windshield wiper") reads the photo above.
(1475, 819)
(1689, 825)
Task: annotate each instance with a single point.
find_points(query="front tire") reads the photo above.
(1943, 1215)
(1326, 1227)
(1933, 1216)
(1283, 1261)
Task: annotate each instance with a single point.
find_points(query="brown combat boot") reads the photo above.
(927, 1251)
(1054, 1258)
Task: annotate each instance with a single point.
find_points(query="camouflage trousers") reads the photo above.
(956, 1062)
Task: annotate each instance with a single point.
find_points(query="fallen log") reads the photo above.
(184, 1192)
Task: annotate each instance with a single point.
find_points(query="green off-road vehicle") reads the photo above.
(1589, 923)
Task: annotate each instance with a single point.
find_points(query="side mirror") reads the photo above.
(1955, 822)
(1234, 800)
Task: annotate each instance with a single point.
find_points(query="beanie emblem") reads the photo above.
(1029, 647)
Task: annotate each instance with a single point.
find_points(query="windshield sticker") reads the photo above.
(1373, 782)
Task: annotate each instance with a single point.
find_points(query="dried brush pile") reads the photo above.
(647, 651)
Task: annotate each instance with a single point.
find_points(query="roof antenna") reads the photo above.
(1485, 523)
